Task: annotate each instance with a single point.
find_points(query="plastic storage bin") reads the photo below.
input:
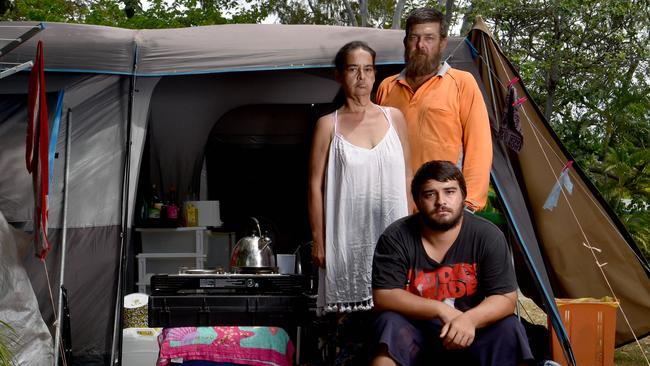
(140, 346)
(591, 326)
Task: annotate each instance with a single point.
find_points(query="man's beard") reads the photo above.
(420, 64)
(445, 224)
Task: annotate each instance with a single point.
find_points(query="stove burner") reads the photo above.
(255, 270)
(185, 270)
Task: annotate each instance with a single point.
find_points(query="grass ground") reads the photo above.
(629, 355)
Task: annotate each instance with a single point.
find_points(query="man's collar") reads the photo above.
(442, 70)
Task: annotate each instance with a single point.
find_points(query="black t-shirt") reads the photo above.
(477, 265)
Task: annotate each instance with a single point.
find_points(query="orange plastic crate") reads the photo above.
(591, 326)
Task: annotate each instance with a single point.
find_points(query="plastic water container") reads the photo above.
(591, 326)
(140, 346)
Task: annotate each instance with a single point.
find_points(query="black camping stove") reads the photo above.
(207, 298)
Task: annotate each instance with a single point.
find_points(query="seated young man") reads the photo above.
(444, 282)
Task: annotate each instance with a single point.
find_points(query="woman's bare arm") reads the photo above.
(400, 125)
(317, 162)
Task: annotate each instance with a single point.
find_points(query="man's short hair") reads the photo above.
(426, 15)
(341, 55)
(440, 170)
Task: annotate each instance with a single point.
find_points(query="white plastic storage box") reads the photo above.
(208, 213)
(169, 240)
(140, 346)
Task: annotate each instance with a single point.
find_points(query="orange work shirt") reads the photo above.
(446, 119)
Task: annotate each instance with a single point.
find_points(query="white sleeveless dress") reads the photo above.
(365, 191)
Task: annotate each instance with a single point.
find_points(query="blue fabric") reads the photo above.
(54, 135)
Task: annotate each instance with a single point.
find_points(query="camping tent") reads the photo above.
(150, 106)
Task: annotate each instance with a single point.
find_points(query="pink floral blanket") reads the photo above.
(255, 346)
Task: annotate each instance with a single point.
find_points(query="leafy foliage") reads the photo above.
(131, 14)
(586, 64)
(8, 338)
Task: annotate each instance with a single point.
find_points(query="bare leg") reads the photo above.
(382, 358)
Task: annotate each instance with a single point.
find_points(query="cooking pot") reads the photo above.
(252, 252)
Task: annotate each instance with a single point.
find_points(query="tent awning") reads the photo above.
(199, 50)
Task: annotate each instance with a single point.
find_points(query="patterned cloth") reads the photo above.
(254, 346)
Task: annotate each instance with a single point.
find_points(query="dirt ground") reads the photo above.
(629, 355)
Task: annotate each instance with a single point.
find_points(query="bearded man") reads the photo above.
(444, 283)
(445, 112)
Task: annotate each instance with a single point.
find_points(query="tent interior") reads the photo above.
(249, 135)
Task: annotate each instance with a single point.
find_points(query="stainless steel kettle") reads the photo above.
(252, 252)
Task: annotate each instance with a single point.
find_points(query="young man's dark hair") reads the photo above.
(426, 15)
(439, 170)
(339, 59)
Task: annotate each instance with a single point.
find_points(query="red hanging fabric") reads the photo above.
(36, 154)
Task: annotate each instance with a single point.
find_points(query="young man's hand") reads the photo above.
(458, 333)
(446, 313)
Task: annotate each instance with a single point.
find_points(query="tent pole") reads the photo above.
(492, 93)
(64, 231)
(116, 349)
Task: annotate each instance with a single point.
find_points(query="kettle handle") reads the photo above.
(257, 223)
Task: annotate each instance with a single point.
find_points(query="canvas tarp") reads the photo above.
(581, 219)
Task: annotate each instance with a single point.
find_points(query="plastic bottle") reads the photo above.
(172, 208)
(191, 214)
(155, 204)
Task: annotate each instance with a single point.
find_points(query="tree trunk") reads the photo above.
(351, 17)
(468, 21)
(449, 13)
(553, 73)
(397, 15)
(363, 4)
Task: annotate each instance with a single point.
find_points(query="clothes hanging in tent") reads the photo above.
(36, 153)
(510, 126)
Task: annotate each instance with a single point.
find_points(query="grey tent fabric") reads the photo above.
(185, 85)
(77, 48)
(138, 131)
(243, 48)
(209, 49)
(97, 105)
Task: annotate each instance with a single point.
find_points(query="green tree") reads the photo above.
(131, 14)
(586, 64)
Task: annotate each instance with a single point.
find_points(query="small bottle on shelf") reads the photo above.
(191, 214)
(190, 211)
(172, 208)
(154, 207)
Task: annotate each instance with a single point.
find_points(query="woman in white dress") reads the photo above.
(358, 181)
